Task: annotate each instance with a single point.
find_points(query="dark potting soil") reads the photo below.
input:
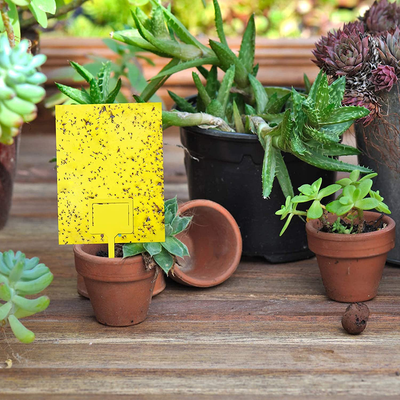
(370, 226)
(117, 249)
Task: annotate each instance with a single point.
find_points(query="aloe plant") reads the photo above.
(308, 126)
(164, 253)
(99, 92)
(354, 197)
(123, 65)
(20, 277)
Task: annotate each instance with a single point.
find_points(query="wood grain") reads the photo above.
(268, 332)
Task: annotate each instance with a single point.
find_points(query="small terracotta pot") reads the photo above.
(119, 289)
(159, 286)
(214, 242)
(351, 265)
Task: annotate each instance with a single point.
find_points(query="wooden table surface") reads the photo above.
(268, 332)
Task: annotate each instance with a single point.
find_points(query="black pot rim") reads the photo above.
(221, 134)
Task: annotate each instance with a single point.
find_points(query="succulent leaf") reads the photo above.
(152, 248)
(259, 94)
(175, 246)
(182, 103)
(248, 46)
(224, 90)
(132, 249)
(23, 334)
(269, 167)
(22, 281)
(219, 24)
(164, 260)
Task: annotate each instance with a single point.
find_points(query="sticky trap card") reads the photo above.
(110, 173)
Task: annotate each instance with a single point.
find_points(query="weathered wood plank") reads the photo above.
(194, 382)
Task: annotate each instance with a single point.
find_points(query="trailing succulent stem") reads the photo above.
(355, 198)
(164, 253)
(308, 126)
(19, 87)
(20, 277)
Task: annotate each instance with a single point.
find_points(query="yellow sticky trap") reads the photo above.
(110, 173)
(111, 218)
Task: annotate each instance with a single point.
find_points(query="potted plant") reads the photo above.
(20, 277)
(237, 132)
(351, 244)
(99, 92)
(366, 53)
(120, 289)
(20, 90)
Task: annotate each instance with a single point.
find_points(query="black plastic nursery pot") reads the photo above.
(226, 168)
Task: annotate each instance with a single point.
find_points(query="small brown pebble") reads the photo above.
(355, 318)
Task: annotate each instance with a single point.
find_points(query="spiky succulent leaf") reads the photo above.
(269, 167)
(225, 89)
(248, 45)
(219, 24)
(114, 93)
(227, 58)
(259, 94)
(182, 103)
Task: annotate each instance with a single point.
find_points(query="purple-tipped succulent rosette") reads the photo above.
(367, 53)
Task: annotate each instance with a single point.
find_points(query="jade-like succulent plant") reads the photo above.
(367, 53)
(284, 119)
(164, 253)
(98, 86)
(355, 198)
(19, 87)
(20, 277)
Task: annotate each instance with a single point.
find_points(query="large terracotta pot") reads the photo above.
(8, 167)
(351, 265)
(214, 242)
(120, 289)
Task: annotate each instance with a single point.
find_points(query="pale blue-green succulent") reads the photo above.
(20, 87)
(20, 277)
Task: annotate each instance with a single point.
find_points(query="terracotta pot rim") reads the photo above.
(78, 249)
(312, 228)
(191, 281)
(110, 269)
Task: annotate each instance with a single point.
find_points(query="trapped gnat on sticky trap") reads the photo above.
(110, 173)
